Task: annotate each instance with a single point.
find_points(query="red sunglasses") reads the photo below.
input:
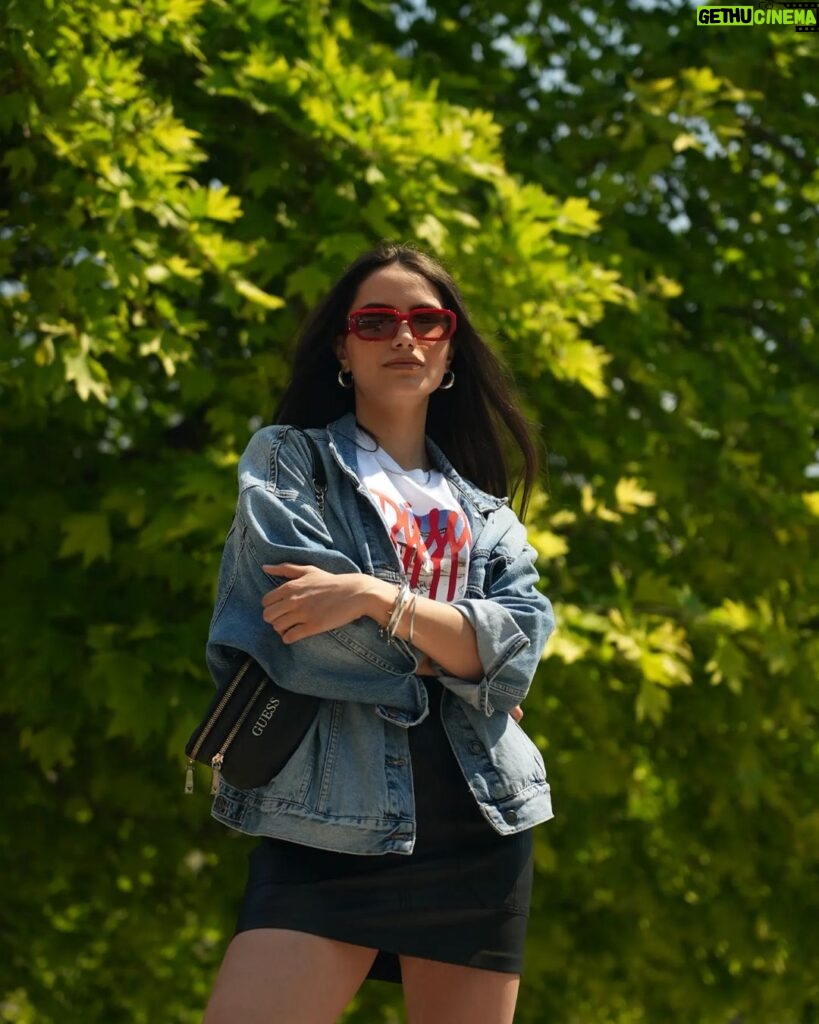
(381, 323)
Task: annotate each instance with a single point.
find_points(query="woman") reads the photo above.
(397, 840)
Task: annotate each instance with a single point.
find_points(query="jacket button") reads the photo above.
(476, 747)
(510, 817)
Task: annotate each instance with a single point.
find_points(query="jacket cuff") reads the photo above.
(499, 640)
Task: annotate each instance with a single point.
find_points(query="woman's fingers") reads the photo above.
(281, 623)
(287, 569)
(311, 598)
(277, 613)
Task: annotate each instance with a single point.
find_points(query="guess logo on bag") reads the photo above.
(269, 711)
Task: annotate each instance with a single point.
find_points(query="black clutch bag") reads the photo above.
(250, 730)
(252, 726)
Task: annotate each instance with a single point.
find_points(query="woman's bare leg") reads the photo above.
(274, 976)
(437, 993)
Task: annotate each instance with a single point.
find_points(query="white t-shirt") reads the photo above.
(427, 525)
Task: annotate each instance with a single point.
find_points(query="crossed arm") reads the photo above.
(312, 601)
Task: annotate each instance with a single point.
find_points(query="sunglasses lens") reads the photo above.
(431, 325)
(375, 326)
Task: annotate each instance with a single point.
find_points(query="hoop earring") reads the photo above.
(449, 383)
(348, 383)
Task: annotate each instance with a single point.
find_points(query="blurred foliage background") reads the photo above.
(632, 206)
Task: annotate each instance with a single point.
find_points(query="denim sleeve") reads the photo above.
(512, 624)
(277, 520)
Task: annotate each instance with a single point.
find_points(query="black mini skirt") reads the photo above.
(462, 896)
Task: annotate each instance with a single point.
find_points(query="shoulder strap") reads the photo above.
(319, 475)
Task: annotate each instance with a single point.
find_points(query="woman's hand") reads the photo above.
(312, 600)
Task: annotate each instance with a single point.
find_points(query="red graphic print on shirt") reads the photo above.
(429, 545)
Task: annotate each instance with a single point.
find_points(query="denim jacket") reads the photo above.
(348, 786)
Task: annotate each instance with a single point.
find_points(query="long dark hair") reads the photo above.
(468, 422)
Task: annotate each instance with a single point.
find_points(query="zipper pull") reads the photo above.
(189, 778)
(216, 773)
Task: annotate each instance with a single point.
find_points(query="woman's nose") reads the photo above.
(404, 335)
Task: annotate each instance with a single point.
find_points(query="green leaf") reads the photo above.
(653, 703)
(215, 204)
(309, 282)
(87, 534)
(630, 496)
(49, 746)
(576, 217)
(21, 163)
(264, 10)
(256, 295)
(702, 79)
(728, 665)
(811, 500)
(582, 362)
(87, 375)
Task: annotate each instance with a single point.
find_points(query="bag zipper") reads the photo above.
(219, 757)
(203, 735)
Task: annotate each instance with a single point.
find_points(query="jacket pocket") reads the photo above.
(293, 782)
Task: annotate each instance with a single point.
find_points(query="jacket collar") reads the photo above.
(341, 433)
